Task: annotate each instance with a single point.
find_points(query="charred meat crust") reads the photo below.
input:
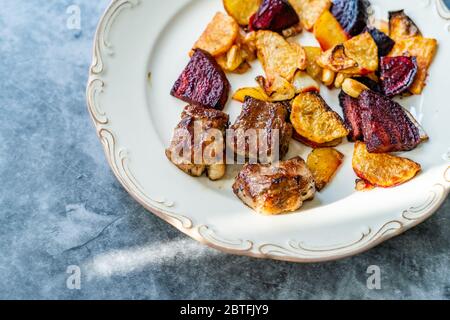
(274, 189)
(203, 82)
(263, 117)
(385, 125)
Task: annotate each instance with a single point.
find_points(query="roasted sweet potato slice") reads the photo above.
(203, 82)
(397, 74)
(274, 15)
(219, 36)
(314, 120)
(382, 170)
(279, 57)
(351, 14)
(424, 50)
(241, 10)
(357, 56)
(312, 68)
(328, 31)
(324, 163)
(310, 10)
(401, 26)
(256, 93)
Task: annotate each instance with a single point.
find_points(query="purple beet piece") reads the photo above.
(203, 82)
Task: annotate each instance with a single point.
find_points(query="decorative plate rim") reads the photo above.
(293, 252)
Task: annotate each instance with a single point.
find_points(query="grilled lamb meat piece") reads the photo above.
(352, 116)
(269, 122)
(203, 82)
(194, 147)
(275, 189)
(386, 126)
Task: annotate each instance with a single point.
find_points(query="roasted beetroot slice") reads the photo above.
(202, 83)
(385, 125)
(274, 15)
(383, 41)
(397, 74)
(352, 116)
(351, 14)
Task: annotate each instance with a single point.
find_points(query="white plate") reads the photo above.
(141, 48)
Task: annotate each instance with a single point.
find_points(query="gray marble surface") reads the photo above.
(60, 205)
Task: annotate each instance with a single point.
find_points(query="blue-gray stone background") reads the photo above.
(60, 205)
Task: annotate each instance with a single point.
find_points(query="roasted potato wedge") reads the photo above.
(324, 163)
(401, 26)
(281, 90)
(339, 80)
(336, 59)
(232, 60)
(381, 169)
(364, 51)
(328, 77)
(424, 50)
(219, 36)
(303, 82)
(241, 10)
(254, 92)
(314, 120)
(357, 56)
(353, 88)
(279, 57)
(328, 31)
(309, 11)
(312, 68)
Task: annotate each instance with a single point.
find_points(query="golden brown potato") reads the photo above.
(310, 10)
(357, 56)
(353, 88)
(256, 92)
(280, 90)
(328, 77)
(324, 163)
(314, 120)
(279, 57)
(336, 60)
(381, 169)
(328, 31)
(232, 60)
(219, 36)
(312, 68)
(303, 82)
(424, 50)
(401, 26)
(241, 10)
